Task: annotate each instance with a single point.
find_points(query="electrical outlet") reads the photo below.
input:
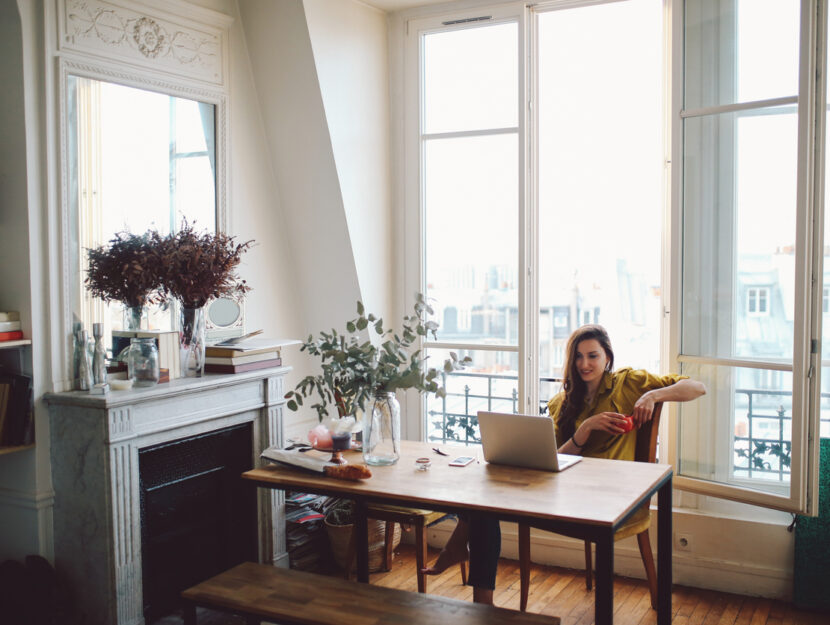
(683, 542)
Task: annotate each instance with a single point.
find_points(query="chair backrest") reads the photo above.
(646, 450)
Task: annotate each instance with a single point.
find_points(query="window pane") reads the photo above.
(195, 194)
(194, 125)
(601, 180)
(489, 383)
(471, 79)
(740, 51)
(740, 431)
(739, 234)
(471, 246)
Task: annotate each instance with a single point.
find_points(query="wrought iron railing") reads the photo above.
(757, 454)
(452, 419)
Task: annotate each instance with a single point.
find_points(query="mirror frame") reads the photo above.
(91, 58)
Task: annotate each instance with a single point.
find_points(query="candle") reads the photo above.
(121, 385)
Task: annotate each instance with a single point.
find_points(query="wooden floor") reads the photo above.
(562, 592)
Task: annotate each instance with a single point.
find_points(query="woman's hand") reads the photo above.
(612, 422)
(643, 409)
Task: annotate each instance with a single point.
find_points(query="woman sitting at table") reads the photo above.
(589, 415)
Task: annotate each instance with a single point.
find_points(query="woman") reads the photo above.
(589, 415)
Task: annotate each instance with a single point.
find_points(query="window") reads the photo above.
(539, 166)
(744, 142)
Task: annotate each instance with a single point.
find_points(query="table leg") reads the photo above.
(664, 553)
(361, 537)
(604, 598)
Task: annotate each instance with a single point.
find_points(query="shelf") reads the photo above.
(17, 343)
(14, 448)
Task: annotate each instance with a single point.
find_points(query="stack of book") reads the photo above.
(10, 329)
(167, 342)
(248, 355)
(16, 409)
(305, 534)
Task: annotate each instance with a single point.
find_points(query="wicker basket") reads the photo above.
(339, 536)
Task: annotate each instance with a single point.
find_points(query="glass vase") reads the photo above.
(143, 362)
(382, 431)
(192, 341)
(132, 318)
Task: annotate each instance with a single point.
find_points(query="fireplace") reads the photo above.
(148, 497)
(197, 519)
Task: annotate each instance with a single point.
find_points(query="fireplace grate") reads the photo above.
(198, 518)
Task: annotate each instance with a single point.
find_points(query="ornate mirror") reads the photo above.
(137, 160)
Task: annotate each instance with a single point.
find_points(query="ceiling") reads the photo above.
(399, 5)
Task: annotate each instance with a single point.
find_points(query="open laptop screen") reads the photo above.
(521, 441)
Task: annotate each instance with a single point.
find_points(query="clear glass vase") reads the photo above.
(132, 317)
(143, 362)
(192, 341)
(382, 431)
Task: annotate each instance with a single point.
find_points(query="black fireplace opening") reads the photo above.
(198, 517)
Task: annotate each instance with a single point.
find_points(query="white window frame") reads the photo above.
(755, 296)
(414, 268)
(809, 260)
(809, 229)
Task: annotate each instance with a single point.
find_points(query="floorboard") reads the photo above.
(562, 592)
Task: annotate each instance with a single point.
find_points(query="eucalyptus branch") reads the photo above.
(353, 371)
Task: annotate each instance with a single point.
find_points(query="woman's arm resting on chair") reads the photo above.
(683, 390)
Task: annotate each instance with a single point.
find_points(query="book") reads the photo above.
(5, 389)
(12, 315)
(17, 408)
(9, 326)
(241, 360)
(248, 366)
(11, 336)
(252, 345)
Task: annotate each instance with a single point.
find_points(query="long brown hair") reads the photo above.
(575, 389)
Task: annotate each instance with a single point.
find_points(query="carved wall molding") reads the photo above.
(146, 36)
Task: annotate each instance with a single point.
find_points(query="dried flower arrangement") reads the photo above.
(127, 269)
(198, 267)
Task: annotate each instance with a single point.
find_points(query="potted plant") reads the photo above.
(197, 267)
(355, 370)
(128, 269)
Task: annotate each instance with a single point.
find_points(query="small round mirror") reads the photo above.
(224, 312)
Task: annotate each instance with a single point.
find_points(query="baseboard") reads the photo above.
(26, 519)
(689, 569)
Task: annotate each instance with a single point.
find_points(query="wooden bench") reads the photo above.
(288, 597)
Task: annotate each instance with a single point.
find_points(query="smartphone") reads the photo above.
(461, 461)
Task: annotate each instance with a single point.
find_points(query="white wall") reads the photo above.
(349, 41)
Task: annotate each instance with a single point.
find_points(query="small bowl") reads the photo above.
(422, 464)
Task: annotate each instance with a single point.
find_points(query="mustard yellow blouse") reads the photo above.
(618, 392)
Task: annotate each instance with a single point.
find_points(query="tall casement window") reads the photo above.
(572, 163)
(745, 249)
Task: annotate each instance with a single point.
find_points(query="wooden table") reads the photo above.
(589, 500)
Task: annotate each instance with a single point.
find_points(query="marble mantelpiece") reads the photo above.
(95, 442)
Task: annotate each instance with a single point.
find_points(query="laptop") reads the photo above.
(522, 441)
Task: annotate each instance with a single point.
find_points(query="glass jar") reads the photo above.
(143, 362)
(382, 431)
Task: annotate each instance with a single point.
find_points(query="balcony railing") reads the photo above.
(762, 438)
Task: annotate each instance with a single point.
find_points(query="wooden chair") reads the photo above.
(419, 520)
(646, 451)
